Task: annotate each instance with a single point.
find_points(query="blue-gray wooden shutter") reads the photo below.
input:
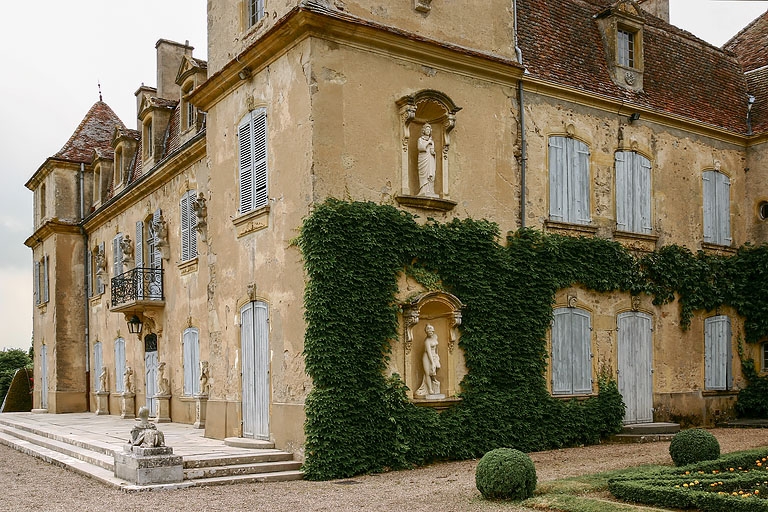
(100, 279)
(557, 179)
(710, 199)
(579, 182)
(188, 225)
(245, 150)
(255, 369)
(717, 352)
(723, 193)
(635, 363)
(642, 189)
(98, 363)
(623, 194)
(37, 283)
(191, 363)
(139, 251)
(89, 273)
(150, 381)
(260, 175)
(119, 364)
(45, 278)
(117, 255)
(44, 377)
(571, 352)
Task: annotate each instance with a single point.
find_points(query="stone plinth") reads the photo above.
(201, 403)
(102, 403)
(163, 408)
(127, 406)
(146, 466)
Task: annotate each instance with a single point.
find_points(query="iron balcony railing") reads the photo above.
(138, 284)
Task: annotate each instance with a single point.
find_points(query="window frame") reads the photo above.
(253, 161)
(188, 226)
(254, 12)
(571, 333)
(626, 47)
(716, 207)
(569, 180)
(633, 173)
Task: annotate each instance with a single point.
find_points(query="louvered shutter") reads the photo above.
(98, 363)
(260, 197)
(717, 350)
(710, 198)
(45, 279)
(623, 194)
(723, 194)
(191, 355)
(37, 283)
(89, 273)
(557, 179)
(117, 255)
(562, 375)
(139, 252)
(642, 190)
(192, 216)
(245, 143)
(579, 187)
(119, 364)
(582, 352)
(100, 279)
(184, 226)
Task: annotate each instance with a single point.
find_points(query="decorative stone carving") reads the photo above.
(103, 379)
(204, 377)
(163, 385)
(101, 262)
(411, 319)
(201, 212)
(128, 380)
(426, 161)
(570, 129)
(126, 247)
(422, 5)
(146, 433)
(430, 386)
(630, 78)
(454, 331)
(572, 301)
(635, 302)
(251, 290)
(102, 394)
(160, 230)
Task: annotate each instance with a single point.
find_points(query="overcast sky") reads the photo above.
(55, 52)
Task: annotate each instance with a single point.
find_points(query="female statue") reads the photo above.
(431, 363)
(427, 163)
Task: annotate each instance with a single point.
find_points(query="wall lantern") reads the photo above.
(134, 325)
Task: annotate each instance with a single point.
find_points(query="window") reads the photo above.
(119, 365)
(97, 185)
(633, 192)
(148, 141)
(762, 210)
(571, 352)
(252, 142)
(188, 226)
(191, 354)
(255, 11)
(764, 366)
(189, 109)
(117, 255)
(42, 202)
(717, 353)
(568, 180)
(626, 48)
(717, 208)
(41, 280)
(98, 363)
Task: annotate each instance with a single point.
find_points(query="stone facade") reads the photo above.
(342, 90)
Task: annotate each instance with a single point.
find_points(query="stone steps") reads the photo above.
(646, 433)
(95, 458)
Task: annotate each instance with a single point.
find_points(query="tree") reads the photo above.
(11, 359)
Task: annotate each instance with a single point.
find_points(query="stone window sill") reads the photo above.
(189, 266)
(636, 241)
(426, 203)
(570, 229)
(717, 249)
(579, 398)
(252, 221)
(720, 392)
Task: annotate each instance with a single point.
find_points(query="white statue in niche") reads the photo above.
(427, 162)
(128, 380)
(163, 386)
(103, 380)
(430, 386)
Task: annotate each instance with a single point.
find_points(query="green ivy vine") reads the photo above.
(359, 421)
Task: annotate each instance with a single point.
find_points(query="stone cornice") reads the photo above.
(185, 156)
(49, 165)
(623, 109)
(300, 24)
(51, 227)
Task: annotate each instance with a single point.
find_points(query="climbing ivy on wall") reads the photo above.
(360, 421)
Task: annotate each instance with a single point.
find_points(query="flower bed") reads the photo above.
(732, 483)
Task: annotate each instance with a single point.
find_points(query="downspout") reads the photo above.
(523, 139)
(85, 289)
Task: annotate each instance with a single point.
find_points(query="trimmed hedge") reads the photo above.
(693, 445)
(505, 473)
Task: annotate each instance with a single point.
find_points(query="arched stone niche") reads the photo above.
(442, 311)
(422, 188)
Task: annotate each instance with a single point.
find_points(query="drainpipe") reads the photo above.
(523, 138)
(85, 288)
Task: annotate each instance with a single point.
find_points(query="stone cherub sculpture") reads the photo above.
(103, 379)
(128, 380)
(427, 162)
(146, 434)
(163, 385)
(204, 385)
(431, 363)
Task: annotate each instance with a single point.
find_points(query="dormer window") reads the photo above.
(148, 140)
(626, 49)
(189, 109)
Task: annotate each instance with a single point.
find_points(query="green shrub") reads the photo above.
(505, 473)
(693, 445)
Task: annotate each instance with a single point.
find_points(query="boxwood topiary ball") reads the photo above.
(693, 445)
(505, 473)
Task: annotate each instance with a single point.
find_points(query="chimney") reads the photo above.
(659, 8)
(169, 55)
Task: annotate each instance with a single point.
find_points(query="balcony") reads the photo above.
(137, 290)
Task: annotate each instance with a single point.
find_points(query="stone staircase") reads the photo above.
(646, 433)
(94, 458)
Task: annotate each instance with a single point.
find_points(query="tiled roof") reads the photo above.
(202, 64)
(751, 44)
(683, 75)
(758, 86)
(108, 154)
(94, 132)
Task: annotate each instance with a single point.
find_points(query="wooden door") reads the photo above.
(635, 355)
(254, 337)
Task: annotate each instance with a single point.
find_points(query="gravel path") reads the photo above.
(29, 484)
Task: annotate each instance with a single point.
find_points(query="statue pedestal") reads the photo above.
(102, 403)
(201, 403)
(127, 406)
(163, 408)
(146, 466)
